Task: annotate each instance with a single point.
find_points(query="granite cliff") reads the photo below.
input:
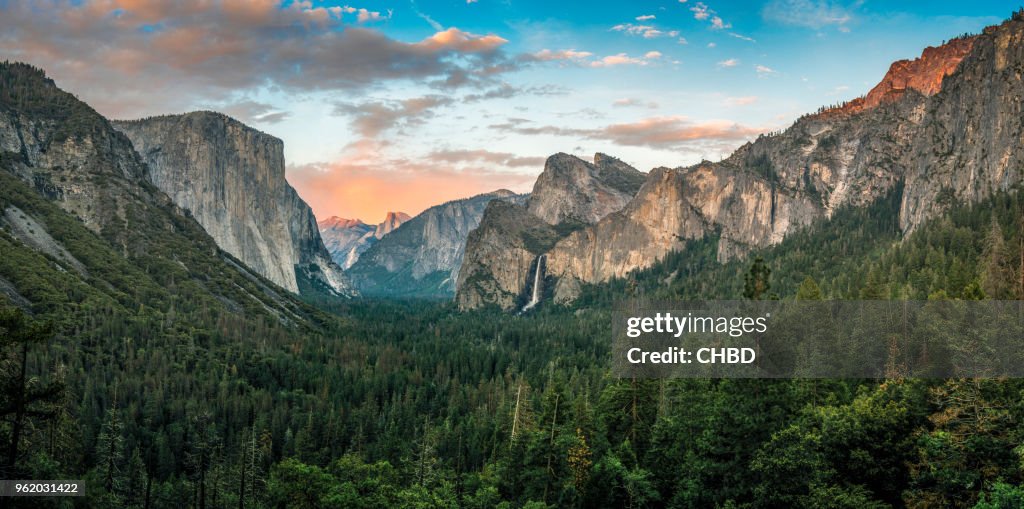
(231, 178)
(946, 128)
(75, 190)
(568, 195)
(422, 256)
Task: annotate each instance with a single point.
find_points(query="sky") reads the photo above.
(401, 105)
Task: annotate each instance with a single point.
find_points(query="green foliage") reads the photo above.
(187, 382)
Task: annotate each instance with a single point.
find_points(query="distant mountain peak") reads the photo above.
(391, 221)
(339, 222)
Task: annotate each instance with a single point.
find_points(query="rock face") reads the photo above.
(88, 168)
(569, 194)
(501, 250)
(422, 257)
(923, 74)
(391, 222)
(571, 190)
(947, 127)
(972, 139)
(231, 178)
(347, 239)
(132, 238)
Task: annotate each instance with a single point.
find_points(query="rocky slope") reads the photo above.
(347, 239)
(568, 195)
(947, 127)
(231, 178)
(422, 257)
(79, 214)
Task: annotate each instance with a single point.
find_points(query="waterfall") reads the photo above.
(538, 292)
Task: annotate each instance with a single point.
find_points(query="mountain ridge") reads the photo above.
(423, 256)
(908, 131)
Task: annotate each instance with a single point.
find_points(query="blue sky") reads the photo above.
(399, 105)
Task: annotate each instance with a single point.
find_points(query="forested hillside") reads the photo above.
(159, 397)
(136, 355)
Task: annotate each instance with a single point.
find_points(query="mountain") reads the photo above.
(568, 195)
(422, 256)
(346, 239)
(85, 233)
(945, 128)
(230, 177)
(571, 190)
(505, 246)
(391, 222)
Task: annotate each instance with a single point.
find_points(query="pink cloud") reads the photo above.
(134, 57)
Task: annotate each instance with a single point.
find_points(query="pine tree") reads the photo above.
(995, 273)
(809, 290)
(22, 397)
(756, 283)
(580, 461)
(110, 453)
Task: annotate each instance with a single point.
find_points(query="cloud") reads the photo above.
(634, 103)
(732, 62)
(373, 118)
(814, 14)
(741, 37)
(646, 31)
(712, 45)
(547, 55)
(624, 59)
(506, 91)
(763, 70)
(365, 16)
(702, 12)
(130, 58)
(740, 101)
(454, 39)
(355, 187)
(481, 155)
(670, 132)
(253, 112)
(646, 17)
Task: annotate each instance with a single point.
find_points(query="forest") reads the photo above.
(135, 380)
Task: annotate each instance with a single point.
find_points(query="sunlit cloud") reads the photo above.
(565, 54)
(665, 132)
(624, 59)
(169, 56)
